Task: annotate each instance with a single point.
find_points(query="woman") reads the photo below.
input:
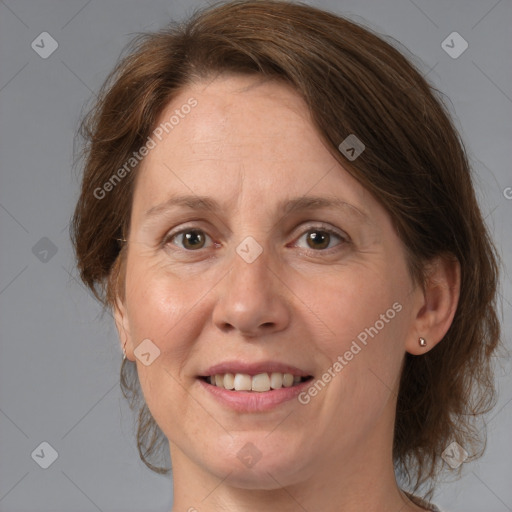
(280, 213)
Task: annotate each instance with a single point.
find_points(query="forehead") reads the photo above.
(237, 112)
(243, 136)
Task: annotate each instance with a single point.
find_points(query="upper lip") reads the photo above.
(253, 368)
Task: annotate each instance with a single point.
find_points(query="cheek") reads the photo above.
(365, 321)
(159, 302)
(165, 309)
(359, 302)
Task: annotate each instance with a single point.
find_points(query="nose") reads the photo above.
(252, 299)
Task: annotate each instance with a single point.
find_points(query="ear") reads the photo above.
(435, 304)
(123, 329)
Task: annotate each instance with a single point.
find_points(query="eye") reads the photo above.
(321, 238)
(189, 239)
(317, 238)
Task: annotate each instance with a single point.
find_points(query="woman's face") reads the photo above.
(253, 251)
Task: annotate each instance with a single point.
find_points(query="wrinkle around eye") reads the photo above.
(333, 234)
(177, 239)
(168, 239)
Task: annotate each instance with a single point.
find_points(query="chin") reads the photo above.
(263, 478)
(253, 465)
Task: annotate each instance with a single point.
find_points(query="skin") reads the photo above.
(249, 144)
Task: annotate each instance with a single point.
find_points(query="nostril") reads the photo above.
(226, 327)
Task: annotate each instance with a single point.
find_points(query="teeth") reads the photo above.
(276, 380)
(229, 381)
(287, 380)
(260, 383)
(242, 382)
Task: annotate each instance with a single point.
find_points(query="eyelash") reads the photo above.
(344, 239)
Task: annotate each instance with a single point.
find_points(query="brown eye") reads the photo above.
(318, 239)
(192, 239)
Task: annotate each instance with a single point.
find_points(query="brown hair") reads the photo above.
(414, 164)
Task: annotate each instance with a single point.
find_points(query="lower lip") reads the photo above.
(254, 401)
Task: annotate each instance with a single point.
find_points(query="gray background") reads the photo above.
(60, 359)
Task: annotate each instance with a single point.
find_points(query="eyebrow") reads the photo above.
(285, 207)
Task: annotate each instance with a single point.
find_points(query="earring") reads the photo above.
(124, 351)
(422, 342)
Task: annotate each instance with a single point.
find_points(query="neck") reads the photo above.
(360, 480)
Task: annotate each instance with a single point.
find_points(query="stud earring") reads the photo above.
(422, 342)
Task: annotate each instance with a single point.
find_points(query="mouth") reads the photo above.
(254, 386)
(259, 383)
